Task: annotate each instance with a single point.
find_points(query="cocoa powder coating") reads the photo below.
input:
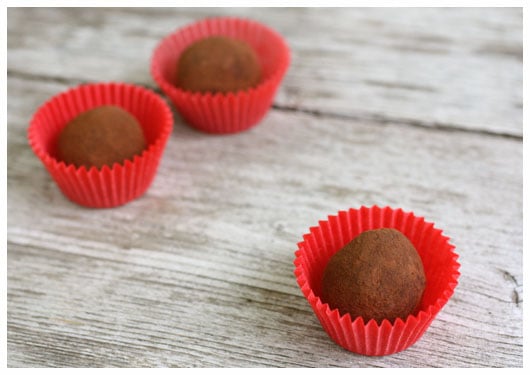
(378, 275)
(101, 136)
(218, 64)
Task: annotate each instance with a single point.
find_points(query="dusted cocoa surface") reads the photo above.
(102, 136)
(218, 64)
(377, 275)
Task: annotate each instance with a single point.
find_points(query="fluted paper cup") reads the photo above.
(231, 112)
(111, 185)
(351, 332)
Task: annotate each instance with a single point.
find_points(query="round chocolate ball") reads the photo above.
(378, 275)
(101, 136)
(218, 64)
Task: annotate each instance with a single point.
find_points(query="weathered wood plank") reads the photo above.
(449, 67)
(198, 272)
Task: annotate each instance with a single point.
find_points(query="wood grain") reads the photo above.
(436, 67)
(198, 272)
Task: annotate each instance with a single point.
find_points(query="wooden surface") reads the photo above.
(413, 108)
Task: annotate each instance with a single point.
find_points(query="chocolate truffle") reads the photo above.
(378, 275)
(101, 136)
(218, 64)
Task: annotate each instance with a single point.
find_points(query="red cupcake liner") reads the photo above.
(223, 113)
(113, 185)
(352, 333)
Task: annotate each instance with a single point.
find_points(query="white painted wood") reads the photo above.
(198, 272)
(436, 67)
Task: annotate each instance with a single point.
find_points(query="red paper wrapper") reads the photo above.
(113, 185)
(352, 333)
(222, 113)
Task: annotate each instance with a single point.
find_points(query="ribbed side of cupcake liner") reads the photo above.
(369, 338)
(223, 113)
(113, 185)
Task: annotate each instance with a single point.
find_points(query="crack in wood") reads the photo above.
(376, 118)
(515, 294)
(399, 85)
(67, 80)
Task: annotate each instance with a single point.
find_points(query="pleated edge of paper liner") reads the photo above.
(427, 313)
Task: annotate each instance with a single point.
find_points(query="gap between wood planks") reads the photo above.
(370, 117)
